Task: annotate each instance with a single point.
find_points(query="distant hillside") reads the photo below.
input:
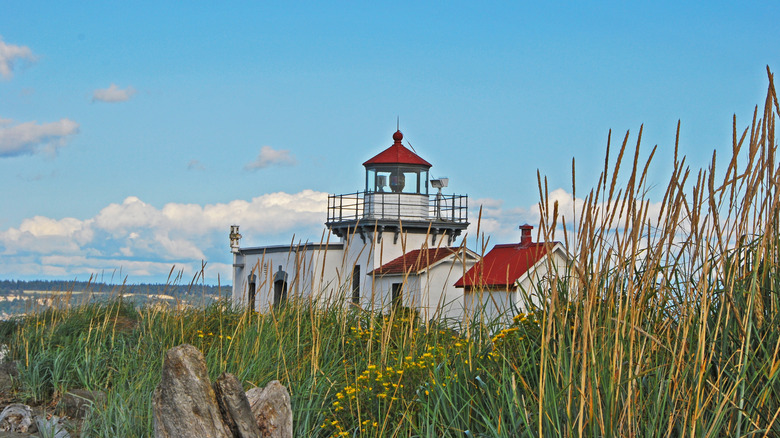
(20, 296)
(17, 286)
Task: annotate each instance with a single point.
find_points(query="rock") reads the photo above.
(9, 371)
(16, 418)
(272, 410)
(184, 403)
(235, 407)
(78, 402)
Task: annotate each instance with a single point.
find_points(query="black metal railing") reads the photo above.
(394, 206)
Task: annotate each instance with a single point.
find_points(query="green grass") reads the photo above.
(665, 324)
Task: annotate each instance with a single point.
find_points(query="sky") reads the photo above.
(133, 134)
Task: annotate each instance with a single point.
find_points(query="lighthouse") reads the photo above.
(396, 201)
(393, 245)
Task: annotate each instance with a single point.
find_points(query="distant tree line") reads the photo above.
(9, 287)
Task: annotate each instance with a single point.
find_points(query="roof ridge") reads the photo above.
(409, 261)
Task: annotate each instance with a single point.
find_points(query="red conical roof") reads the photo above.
(397, 154)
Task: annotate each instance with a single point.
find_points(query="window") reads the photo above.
(280, 288)
(356, 284)
(396, 298)
(280, 293)
(397, 179)
(252, 291)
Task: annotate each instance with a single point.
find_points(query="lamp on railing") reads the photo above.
(439, 183)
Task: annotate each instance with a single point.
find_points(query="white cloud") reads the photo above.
(571, 209)
(272, 213)
(132, 268)
(144, 240)
(9, 53)
(40, 226)
(132, 213)
(497, 221)
(500, 223)
(29, 137)
(269, 156)
(14, 241)
(113, 94)
(44, 235)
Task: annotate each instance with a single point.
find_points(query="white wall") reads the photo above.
(402, 206)
(326, 275)
(376, 252)
(495, 303)
(487, 305)
(432, 291)
(304, 268)
(357, 253)
(545, 271)
(439, 294)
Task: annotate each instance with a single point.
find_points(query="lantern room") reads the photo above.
(396, 197)
(397, 170)
(397, 184)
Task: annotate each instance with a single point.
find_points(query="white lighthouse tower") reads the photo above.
(395, 246)
(396, 201)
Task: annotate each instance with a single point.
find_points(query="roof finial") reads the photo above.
(398, 136)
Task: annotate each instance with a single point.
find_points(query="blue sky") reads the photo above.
(132, 135)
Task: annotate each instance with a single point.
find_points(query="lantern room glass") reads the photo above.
(397, 179)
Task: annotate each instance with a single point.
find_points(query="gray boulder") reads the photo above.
(272, 410)
(9, 372)
(77, 402)
(184, 403)
(235, 407)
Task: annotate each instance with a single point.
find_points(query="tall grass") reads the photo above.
(673, 327)
(665, 324)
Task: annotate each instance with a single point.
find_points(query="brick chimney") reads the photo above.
(525, 237)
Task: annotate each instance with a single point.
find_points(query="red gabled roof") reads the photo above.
(397, 154)
(415, 261)
(503, 265)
